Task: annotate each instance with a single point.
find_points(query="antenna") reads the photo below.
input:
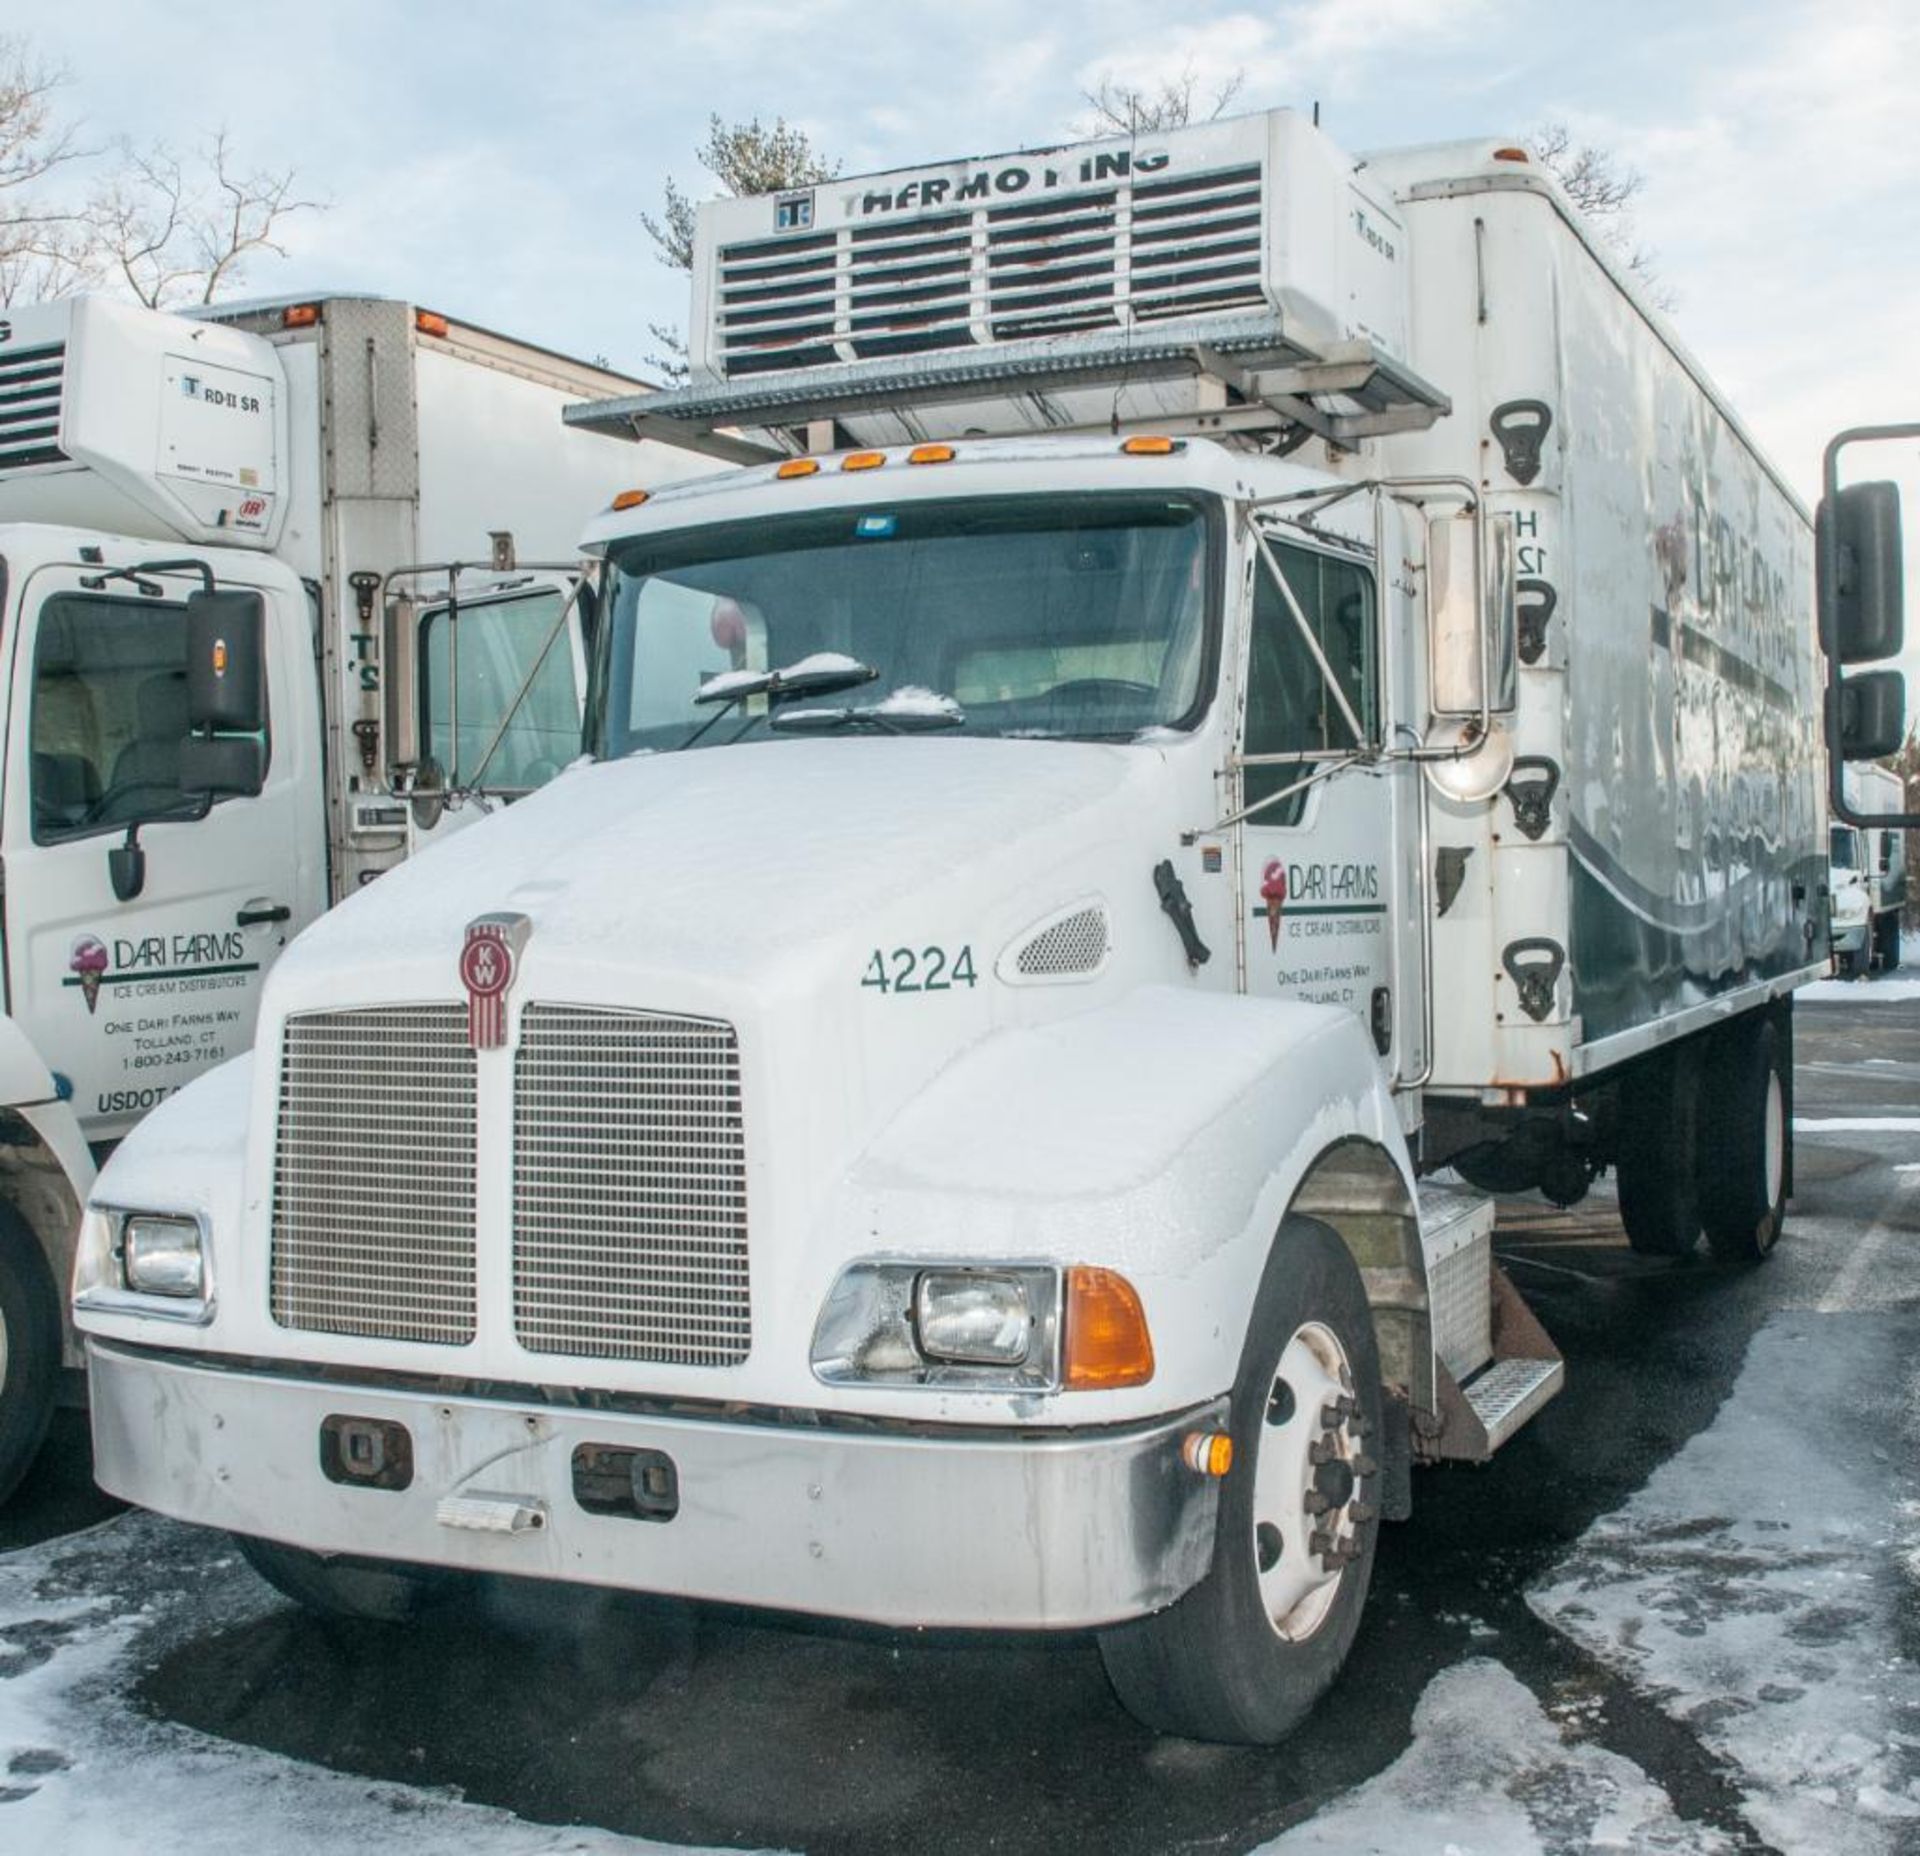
(1316, 112)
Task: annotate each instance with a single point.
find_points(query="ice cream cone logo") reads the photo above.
(89, 961)
(1273, 892)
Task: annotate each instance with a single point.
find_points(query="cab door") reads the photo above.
(127, 998)
(1321, 878)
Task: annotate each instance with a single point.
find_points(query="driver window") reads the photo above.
(501, 646)
(108, 714)
(1290, 709)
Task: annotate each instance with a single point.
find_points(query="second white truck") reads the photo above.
(1867, 876)
(1245, 680)
(307, 462)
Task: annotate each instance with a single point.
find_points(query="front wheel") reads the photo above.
(339, 1587)
(1243, 1657)
(1658, 1162)
(29, 1350)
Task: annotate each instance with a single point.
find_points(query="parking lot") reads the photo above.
(1676, 1614)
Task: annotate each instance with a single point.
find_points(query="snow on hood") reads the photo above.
(722, 860)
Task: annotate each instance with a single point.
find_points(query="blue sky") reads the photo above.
(493, 160)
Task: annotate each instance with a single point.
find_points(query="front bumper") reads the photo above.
(1053, 1532)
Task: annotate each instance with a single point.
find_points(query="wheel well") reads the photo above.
(35, 1190)
(1355, 1188)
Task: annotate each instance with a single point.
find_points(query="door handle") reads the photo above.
(252, 918)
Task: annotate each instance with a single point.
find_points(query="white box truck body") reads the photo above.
(1867, 875)
(930, 1125)
(301, 453)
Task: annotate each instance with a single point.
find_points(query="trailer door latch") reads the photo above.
(1534, 601)
(1534, 965)
(1531, 787)
(1520, 427)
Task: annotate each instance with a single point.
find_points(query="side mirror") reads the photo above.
(401, 658)
(1867, 715)
(226, 662)
(1472, 615)
(1857, 543)
(225, 754)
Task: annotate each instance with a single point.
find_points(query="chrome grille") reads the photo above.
(629, 1188)
(31, 381)
(1139, 251)
(373, 1175)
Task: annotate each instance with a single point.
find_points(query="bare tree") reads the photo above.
(1604, 191)
(746, 158)
(174, 233)
(41, 247)
(1172, 103)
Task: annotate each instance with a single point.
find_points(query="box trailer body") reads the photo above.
(956, 1152)
(299, 454)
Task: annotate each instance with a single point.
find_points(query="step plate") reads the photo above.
(1509, 1392)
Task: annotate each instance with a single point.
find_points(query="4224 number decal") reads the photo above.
(927, 969)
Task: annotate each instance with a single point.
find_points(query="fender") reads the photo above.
(1165, 1136)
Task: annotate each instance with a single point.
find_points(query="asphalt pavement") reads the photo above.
(700, 1725)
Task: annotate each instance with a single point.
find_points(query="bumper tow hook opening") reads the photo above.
(366, 1453)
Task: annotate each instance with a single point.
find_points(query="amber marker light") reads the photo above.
(1106, 1341)
(798, 467)
(1207, 1453)
(1511, 154)
(629, 499)
(300, 315)
(930, 454)
(863, 460)
(1152, 447)
(429, 322)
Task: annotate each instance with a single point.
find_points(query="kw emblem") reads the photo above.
(488, 959)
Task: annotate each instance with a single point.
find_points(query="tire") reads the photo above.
(1849, 964)
(1886, 937)
(29, 1350)
(1745, 1166)
(1215, 1665)
(1659, 1154)
(337, 1586)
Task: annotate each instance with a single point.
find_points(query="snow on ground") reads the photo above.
(1862, 992)
(1856, 1124)
(85, 1773)
(1755, 1587)
(1489, 1775)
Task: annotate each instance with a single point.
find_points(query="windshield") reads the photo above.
(1845, 854)
(1064, 616)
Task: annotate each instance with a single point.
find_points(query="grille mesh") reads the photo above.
(31, 383)
(630, 1192)
(373, 1180)
(1140, 251)
(1074, 944)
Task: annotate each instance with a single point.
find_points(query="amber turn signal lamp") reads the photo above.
(429, 322)
(930, 454)
(1106, 1341)
(1207, 1453)
(798, 467)
(630, 499)
(1150, 447)
(1511, 154)
(300, 315)
(863, 460)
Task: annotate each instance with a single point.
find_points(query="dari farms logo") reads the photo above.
(1273, 897)
(488, 959)
(88, 962)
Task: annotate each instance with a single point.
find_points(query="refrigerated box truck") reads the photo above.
(304, 458)
(1242, 680)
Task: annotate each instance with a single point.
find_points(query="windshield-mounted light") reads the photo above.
(799, 467)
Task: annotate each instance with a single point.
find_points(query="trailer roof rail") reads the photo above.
(1222, 376)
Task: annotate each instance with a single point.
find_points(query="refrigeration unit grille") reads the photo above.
(31, 384)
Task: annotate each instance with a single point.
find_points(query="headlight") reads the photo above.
(161, 1256)
(972, 1318)
(946, 1324)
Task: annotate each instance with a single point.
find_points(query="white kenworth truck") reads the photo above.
(288, 462)
(1241, 679)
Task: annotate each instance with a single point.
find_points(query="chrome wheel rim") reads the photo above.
(1308, 1483)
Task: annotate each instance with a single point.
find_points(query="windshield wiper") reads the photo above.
(905, 712)
(822, 674)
